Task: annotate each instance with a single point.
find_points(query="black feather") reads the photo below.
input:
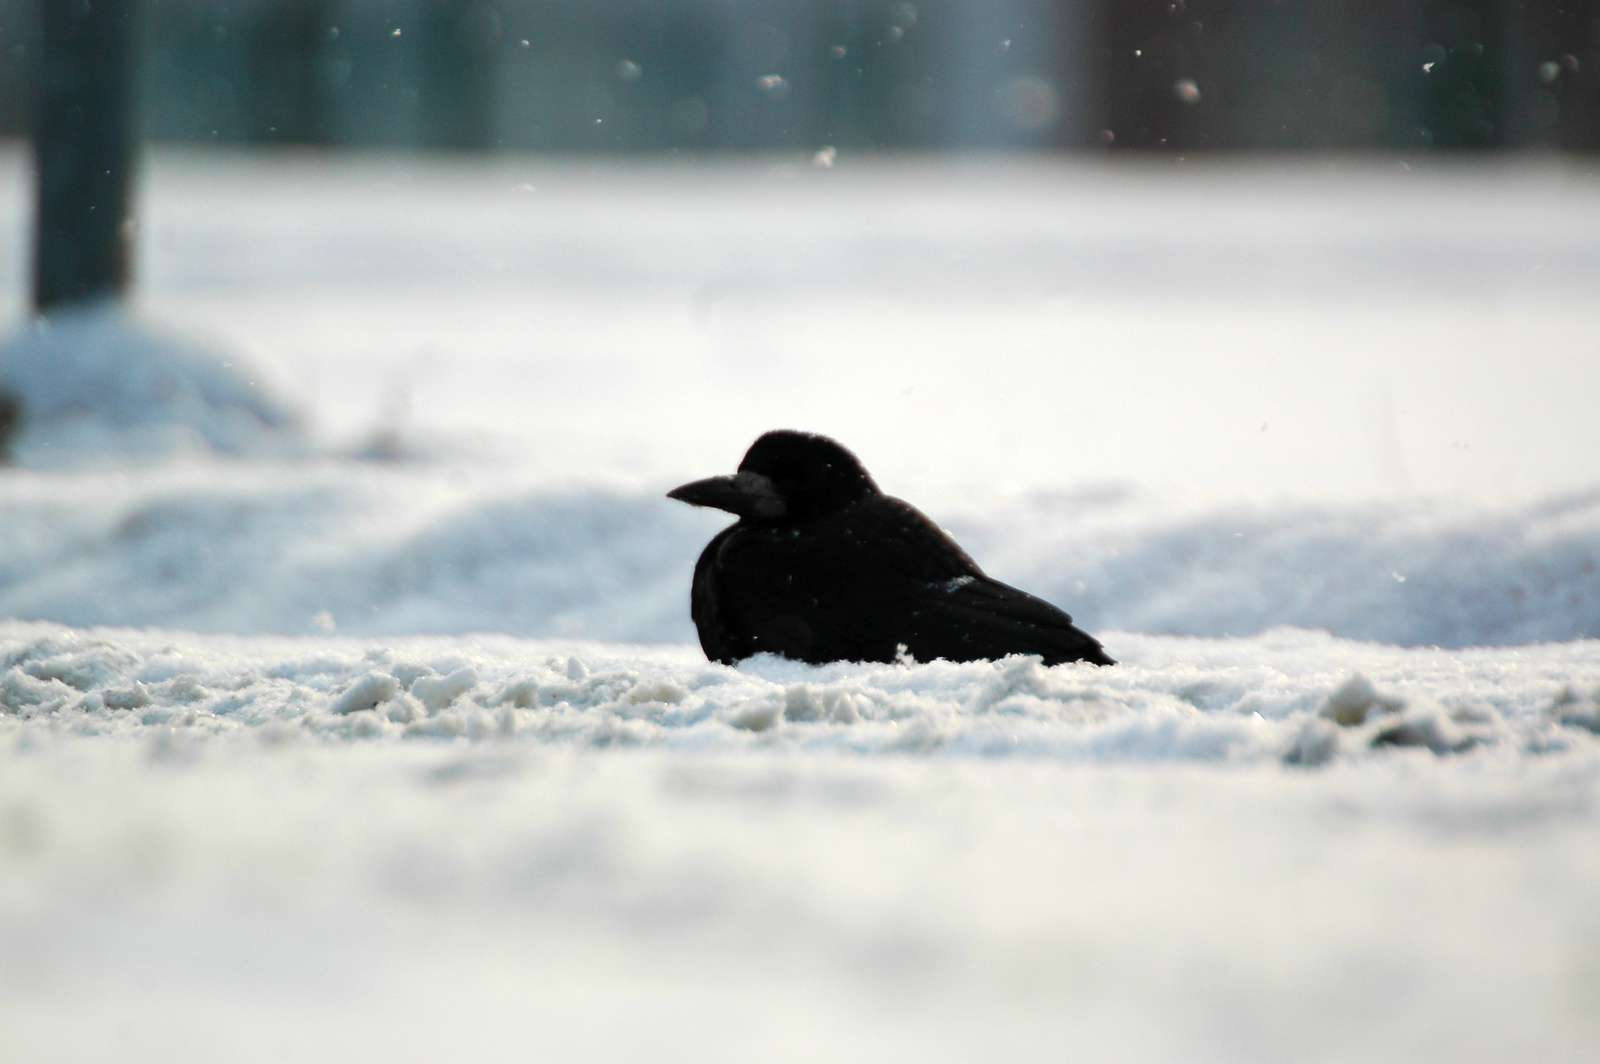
(822, 566)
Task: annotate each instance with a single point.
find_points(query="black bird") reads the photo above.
(822, 566)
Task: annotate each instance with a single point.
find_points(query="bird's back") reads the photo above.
(860, 584)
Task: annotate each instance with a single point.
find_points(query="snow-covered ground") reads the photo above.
(402, 748)
(1333, 327)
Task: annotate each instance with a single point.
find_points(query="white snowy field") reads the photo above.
(414, 756)
(240, 848)
(1334, 327)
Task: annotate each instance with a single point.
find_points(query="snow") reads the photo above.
(454, 547)
(398, 745)
(1238, 701)
(607, 851)
(1395, 327)
(96, 385)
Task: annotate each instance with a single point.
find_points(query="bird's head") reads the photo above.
(786, 478)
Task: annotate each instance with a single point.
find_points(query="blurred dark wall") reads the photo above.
(1352, 73)
(652, 75)
(19, 43)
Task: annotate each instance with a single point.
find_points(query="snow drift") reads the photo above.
(97, 385)
(436, 548)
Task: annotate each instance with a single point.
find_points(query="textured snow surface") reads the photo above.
(1288, 694)
(255, 848)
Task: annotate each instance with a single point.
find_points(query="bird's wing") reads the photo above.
(907, 582)
(707, 608)
(980, 617)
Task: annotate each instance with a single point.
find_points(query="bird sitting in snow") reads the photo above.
(822, 566)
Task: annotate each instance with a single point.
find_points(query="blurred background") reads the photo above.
(663, 75)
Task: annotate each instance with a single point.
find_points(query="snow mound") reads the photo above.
(96, 385)
(1300, 697)
(1416, 572)
(413, 548)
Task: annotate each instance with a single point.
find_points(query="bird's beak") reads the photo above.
(746, 494)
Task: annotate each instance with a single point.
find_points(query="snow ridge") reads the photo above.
(387, 550)
(1302, 697)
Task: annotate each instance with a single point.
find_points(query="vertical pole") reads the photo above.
(83, 144)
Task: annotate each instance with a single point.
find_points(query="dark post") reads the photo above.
(83, 149)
